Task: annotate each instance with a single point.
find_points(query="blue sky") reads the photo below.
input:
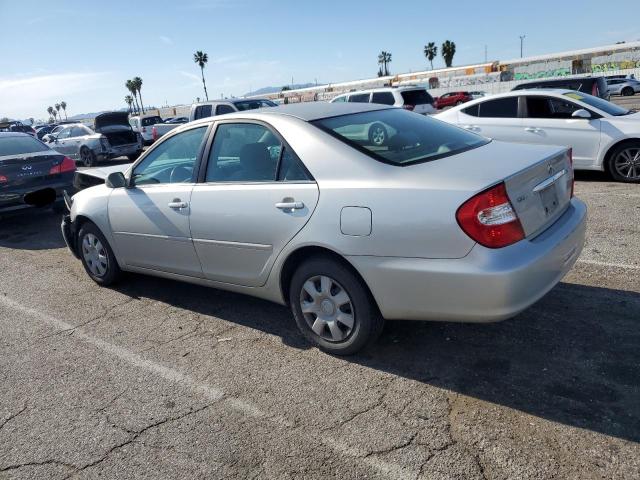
(82, 52)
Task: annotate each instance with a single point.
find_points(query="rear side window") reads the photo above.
(473, 110)
(19, 145)
(549, 107)
(222, 109)
(500, 108)
(397, 137)
(384, 98)
(416, 97)
(79, 132)
(359, 98)
(253, 104)
(202, 111)
(148, 121)
(339, 99)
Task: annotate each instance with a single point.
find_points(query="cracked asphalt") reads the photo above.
(157, 379)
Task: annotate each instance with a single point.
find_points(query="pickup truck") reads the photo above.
(159, 129)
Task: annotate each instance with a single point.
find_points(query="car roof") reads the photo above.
(403, 88)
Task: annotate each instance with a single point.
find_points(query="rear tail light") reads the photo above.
(409, 107)
(572, 177)
(489, 218)
(154, 133)
(3, 179)
(67, 165)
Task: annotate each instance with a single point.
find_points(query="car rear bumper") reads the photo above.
(14, 199)
(487, 285)
(120, 151)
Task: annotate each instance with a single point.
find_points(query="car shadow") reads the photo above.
(31, 229)
(593, 176)
(571, 358)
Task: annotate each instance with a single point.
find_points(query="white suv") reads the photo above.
(410, 98)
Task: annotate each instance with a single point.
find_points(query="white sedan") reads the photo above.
(603, 135)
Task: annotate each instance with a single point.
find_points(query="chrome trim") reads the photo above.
(223, 243)
(549, 181)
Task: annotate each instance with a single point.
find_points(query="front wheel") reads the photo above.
(332, 307)
(624, 163)
(628, 91)
(97, 257)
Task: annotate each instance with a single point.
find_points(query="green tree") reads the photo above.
(384, 59)
(431, 52)
(57, 105)
(448, 51)
(50, 111)
(201, 58)
(63, 105)
(129, 101)
(285, 88)
(132, 90)
(137, 83)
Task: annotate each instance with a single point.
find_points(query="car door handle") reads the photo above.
(177, 203)
(290, 205)
(473, 128)
(533, 129)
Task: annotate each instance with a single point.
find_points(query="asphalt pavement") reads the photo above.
(158, 379)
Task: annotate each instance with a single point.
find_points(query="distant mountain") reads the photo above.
(265, 90)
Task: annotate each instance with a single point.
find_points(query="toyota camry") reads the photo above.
(299, 206)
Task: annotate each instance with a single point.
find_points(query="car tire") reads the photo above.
(332, 307)
(87, 157)
(627, 91)
(624, 163)
(97, 256)
(378, 134)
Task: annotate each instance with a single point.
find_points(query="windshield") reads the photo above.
(19, 145)
(599, 103)
(416, 97)
(399, 137)
(253, 104)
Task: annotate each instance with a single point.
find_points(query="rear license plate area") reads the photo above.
(549, 198)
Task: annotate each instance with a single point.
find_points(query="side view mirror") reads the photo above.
(581, 113)
(116, 180)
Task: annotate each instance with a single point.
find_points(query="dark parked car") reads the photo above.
(596, 86)
(32, 174)
(452, 98)
(42, 131)
(15, 126)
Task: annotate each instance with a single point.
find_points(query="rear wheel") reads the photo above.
(87, 157)
(627, 91)
(624, 163)
(332, 307)
(96, 255)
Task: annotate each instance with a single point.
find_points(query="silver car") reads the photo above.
(290, 205)
(623, 86)
(111, 137)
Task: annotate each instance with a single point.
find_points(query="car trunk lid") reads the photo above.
(28, 169)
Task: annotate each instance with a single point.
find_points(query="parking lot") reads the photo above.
(155, 378)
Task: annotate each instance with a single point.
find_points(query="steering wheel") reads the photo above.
(180, 174)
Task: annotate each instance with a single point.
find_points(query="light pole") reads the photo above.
(522, 37)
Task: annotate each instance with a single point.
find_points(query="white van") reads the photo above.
(416, 99)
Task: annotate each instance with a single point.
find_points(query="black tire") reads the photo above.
(628, 91)
(112, 271)
(615, 166)
(87, 157)
(367, 321)
(134, 157)
(378, 134)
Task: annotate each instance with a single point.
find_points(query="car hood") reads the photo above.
(104, 172)
(110, 119)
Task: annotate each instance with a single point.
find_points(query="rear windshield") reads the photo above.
(253, 104)
(416, 97)
(399, 137)
(599, 103)
(20, 145)
(148, 121)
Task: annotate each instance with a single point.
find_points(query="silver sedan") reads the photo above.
(297, 205)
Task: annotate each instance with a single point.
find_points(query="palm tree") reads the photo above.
(201, 59)
(384, 59)
(63, 105)
(51, 111)
(57, 105)
(448, 51)
(137, 83)
(129, 101)
(431, 52)
(132, 89)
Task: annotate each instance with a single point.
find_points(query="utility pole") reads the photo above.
(522, 37)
